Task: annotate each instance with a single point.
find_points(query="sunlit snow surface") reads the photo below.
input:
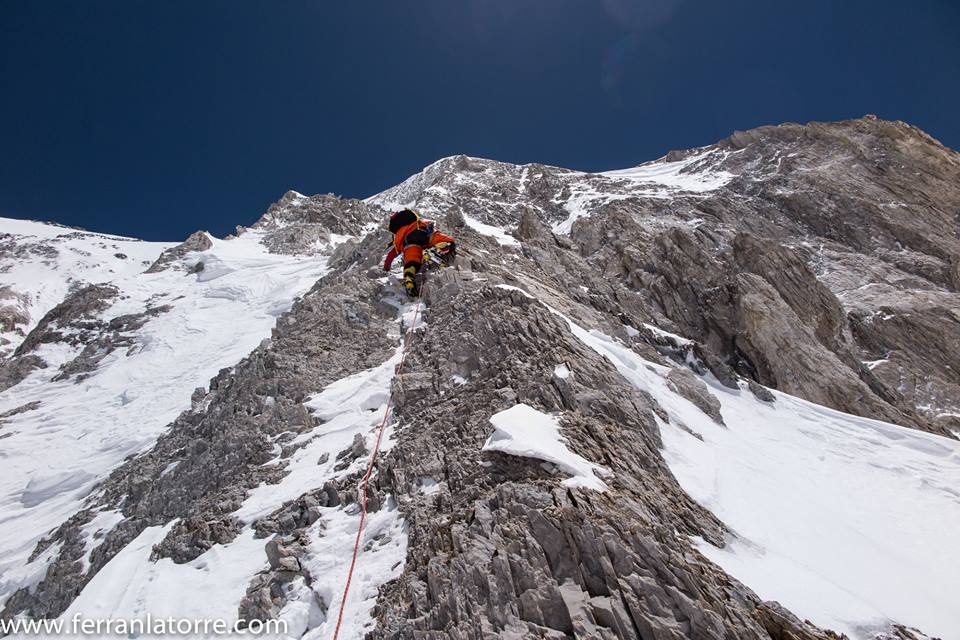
(211, 587)
(523, 431)
(131, 585)
(681, 175)
(54, 454)
(849, 522)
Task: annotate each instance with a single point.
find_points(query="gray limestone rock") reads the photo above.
(695, 390)
(788, 356)
(760, 392)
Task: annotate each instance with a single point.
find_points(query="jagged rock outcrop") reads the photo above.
(198, 241)
(500, 550)
(297, 224)
(786, 354)
(12, 312)
(115, 334)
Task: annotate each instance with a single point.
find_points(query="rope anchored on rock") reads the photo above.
(362, 487)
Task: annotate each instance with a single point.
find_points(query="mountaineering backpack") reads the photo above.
(400, 219)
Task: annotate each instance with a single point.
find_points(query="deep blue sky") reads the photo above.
(155, 119)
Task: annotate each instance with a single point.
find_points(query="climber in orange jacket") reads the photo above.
(411, 236)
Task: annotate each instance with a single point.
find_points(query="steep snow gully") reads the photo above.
(713, 396)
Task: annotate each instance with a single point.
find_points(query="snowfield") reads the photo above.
(845, 520)
(52, 456)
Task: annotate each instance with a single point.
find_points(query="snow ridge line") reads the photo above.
(373, 458)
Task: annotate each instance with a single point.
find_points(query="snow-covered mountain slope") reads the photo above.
(707, 397)
(133, 584)
(63, 436)
(39, 263)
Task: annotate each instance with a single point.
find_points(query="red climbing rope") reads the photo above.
(373, 458)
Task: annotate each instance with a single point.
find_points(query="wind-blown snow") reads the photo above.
(131, 586)
(56, 453)
(404, 194)
(682, 175)
(582, 194)
(659, 179)
(582, 202)
(846, 521)
(523, 431)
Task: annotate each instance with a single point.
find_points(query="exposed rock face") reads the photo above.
(198, 241)
(116, 333)
(297, 223)
(782, 257)
(42, 263)
(73, 322)
(849, 223)
(513, 555)
(12, 311)
(15, 370)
